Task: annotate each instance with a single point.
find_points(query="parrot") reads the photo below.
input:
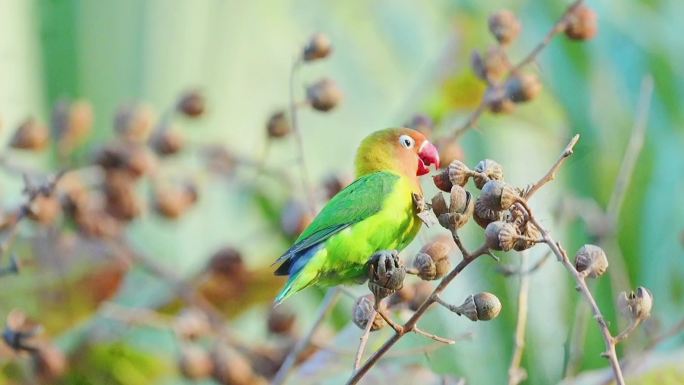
(375, 212)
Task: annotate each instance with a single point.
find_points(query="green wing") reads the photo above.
(358, 201)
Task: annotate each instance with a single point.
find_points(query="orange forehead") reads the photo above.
(395, 133)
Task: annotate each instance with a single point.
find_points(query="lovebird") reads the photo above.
(375, 212)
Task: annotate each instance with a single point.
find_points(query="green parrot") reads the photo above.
(375, 212)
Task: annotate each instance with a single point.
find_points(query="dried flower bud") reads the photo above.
(192, 324)
(499, 101)
(44, 209)
(591, 261)
(227, 262)
(278, 125)
(421, 123)
(522, 87)
(281, 320)
(192, 104)
(230, 367)
(362, 311)
(449, 150)
(318, 47)
(489, 170)
(460, 209)
(421, 292)
(134, 122)
(581, 23)
(49, 363)
(385, 273)
(167, 141)
(529, 231)
(504, 25)
(439, 205)
(497, 195)
(135, 160)
(492, 65)
(195, 362)
(31, 135)
(441, 180)
(173, 201)
(294, 218)
(636, 305)
(71, 122)
(500, 235)
(480, 307)
(432, 261)
(324, 95)
(121, 200)
(456, 173)
(484, 216)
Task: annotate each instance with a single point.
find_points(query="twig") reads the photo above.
(364, 340)
(557, 28)
(551, 174)
(636, 143)
(306, 184)
(625, 333)
(516, 374)
(410, 325)
(326, 306)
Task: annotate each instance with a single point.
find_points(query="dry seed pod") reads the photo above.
(495, 63)
(458, 173)
(459, 200)
(421, 123)
(227, 262)
(422, 291)
(439, 205)
(523, 87)
(71, 122)
(591, 261)
(361, 313)
(497, 195)
(134, 122)
(121, 199)
(581, 23)
(480, 307)
(432, 261)
(489, 170)
(528, 231)
(498, 101)
(278, 125)
(441, 180)
(49, 363)
(318, 47)
(45, 209)
(636, 305)
(195, 362)
(173, 201)
(167, 141)
(192, 104)
(505, 26)
(500, 235)
(191, 324)
(230, 367)
(281, 320)
(385, 273)
(31, 135)
(484, 216)
(324, 95)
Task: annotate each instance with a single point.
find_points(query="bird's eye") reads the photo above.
(406, 141)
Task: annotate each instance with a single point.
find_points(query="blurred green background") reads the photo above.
(391, 59)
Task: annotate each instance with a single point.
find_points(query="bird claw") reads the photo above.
(423, 210)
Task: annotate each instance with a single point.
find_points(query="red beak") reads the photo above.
(427, 155)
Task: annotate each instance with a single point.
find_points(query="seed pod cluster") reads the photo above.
(636, 305)
(581, 23)
(504, 26)
(491, 65)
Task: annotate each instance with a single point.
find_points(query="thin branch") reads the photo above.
(551, 174)
(410, 325)
(326, 306)
(625, 333)
(516, 374)
(636, 143)
(364, 340)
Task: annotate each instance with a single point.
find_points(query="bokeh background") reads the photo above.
(392, 59)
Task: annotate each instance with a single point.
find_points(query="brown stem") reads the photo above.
(551, 174)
